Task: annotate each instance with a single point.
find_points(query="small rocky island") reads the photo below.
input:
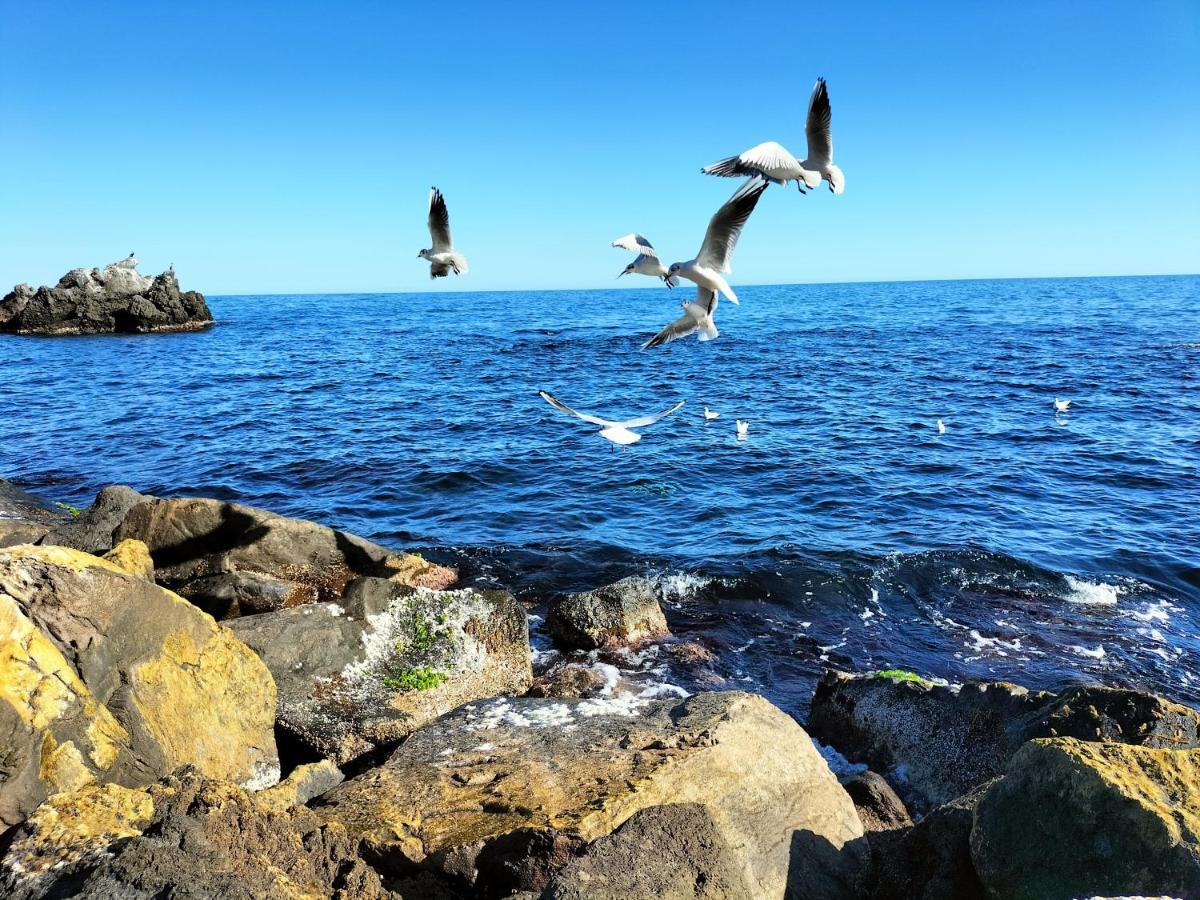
(204, 699)
(112, 300)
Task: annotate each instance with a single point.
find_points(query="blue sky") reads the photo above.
(289, 147)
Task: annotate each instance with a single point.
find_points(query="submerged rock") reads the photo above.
(583, 767)
(622, 614)
(1076, 819)
(99, 301)
(938, 743)
(107, 677)
(386, 660)
(186, 837)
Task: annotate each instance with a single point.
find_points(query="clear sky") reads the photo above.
(289, 147)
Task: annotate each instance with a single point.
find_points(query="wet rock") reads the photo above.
(304, 783)
(937, 743)
(107, 677)
(411, 569)
(622, 614)
(98, 301)
(569, 680)
(879, 808)
(92, 530)
(1076, 819)
(672, 852)
(583, 767)
(186, 837)
(134, 557)
(388, 659)
(24, 518)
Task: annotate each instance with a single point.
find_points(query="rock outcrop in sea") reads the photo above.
(115, 299)
(417, 757)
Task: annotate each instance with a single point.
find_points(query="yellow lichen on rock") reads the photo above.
(134, 557)
(411, 569)
(62, 767)
(66, 557)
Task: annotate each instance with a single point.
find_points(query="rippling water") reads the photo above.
(845, 530)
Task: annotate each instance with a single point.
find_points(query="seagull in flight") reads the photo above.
(647, 262)
(697, 319)
(617, 432)
(775, 162)
(711, 264)
(443, 258)
(708, 415)
(1061, 406)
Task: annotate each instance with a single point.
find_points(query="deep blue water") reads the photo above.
(843, 531)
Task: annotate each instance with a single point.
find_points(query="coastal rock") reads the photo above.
(690, 860)
(134, 557)
(92, 530)
(938, 743)
(304, 783)
(386, 660)
(99, 301)
(107, 677)
(412, 570)
(621, 614)
(879, 807)
(1076, 819)
(568, 680)
(186, 837)
(583, 767)
(24, 518)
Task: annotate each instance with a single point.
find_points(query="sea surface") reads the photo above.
(843, 531)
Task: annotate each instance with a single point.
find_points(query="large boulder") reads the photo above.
(186, 837)
(92, 530)
(478, 776)
(24, 518)
(386, 659)
(1077, 819)
(621, 614)
(938, 742)
(233, 560)
(98, 301)
(107, 677)
(672, 852)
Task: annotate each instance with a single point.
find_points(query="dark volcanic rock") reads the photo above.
(879, 808)
(24, 518)
(104, 301)
(92, 530)
(618, 614)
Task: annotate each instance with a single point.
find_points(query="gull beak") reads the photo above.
(623, 272)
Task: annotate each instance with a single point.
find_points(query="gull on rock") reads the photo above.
(128, 262)
(743, 429)
(712, 263)
(618, 432)
(775, 162)
(1061, 405)
(709, 415)
(647, 262)
(443, 258)
(697, 319)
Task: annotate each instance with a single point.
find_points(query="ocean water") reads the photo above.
(844, 531)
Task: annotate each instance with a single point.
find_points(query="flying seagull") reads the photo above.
(617, 432)
(776, 163)
(697, 318)
(647, 262)
(711, 264)
(1061, 405)
(743, 429)
(443, 258)
(710, 415)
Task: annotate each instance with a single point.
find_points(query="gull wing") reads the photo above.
(637, 243)
(817, 127)
(681, 327)
(757, 160)
(559, 405)
(641, 421)
(439, 222)
(726, 226)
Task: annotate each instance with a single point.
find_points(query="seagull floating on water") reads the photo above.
(443, 258)
(647, 262)
(617, 432)
(743, 428)
(1061, 405)
(710, 415)
(711, 264)
(697, 319)
(941, 427)
(775, 162)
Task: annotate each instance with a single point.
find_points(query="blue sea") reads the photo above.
(844, 531)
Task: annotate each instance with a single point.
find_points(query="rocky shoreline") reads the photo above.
(204, 699)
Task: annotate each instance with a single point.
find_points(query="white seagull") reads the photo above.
(775, 162)
(443, 258)
(647, 262)
(127, 263)
(1061, 405)
(617, 432)
(941, 427)
(710, 415)
(697, 319)
(743, 429)
(711, 264)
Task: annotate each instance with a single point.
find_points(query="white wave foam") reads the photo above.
(981, 644)
(1096, 652)
(838, 764)
(1087, 593)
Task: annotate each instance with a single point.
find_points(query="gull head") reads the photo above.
(675, 267)
(628, 270)
(424, 254)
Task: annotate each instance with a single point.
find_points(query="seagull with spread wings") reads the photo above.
(775, 163)
(443, 258)
(697, 319)
(617, 432)
(712, 263)
(647, 262)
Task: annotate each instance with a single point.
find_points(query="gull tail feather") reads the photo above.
(708, 332)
